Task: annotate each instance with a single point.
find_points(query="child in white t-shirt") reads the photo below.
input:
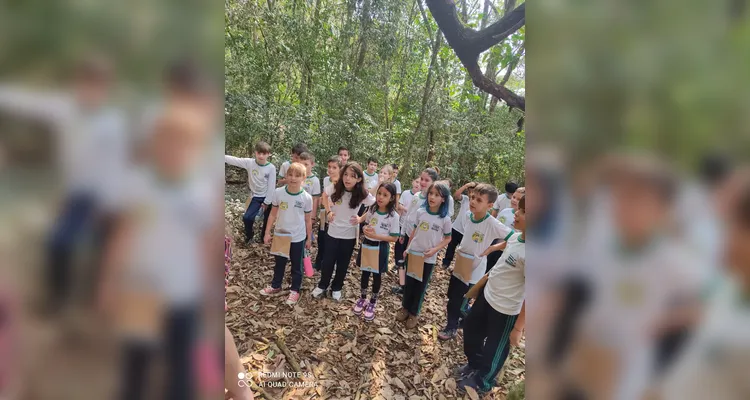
(334, 168)
(292, 213)
(311, 183)
(498, 317)
(503, 200)
(505, 217)
(480, 230)
(396, 182)
(430, 233)
(261, 179)
(381, 230)
(298, 149)
(408, 217)
(342, 202)
(371, 175)
(458, 225)
(344, 154)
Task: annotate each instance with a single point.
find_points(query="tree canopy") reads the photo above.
(380, 77)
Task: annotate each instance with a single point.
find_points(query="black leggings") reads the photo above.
(339, 253)
(376, 281)
(179, 340)
(450, 252)
(400, 248)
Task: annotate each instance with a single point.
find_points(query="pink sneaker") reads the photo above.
(293, 298)
(359, 306)
(370, 311)
(269, 291)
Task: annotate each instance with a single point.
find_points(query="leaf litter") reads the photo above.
(339, 354)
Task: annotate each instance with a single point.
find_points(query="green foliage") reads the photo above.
(354, 73)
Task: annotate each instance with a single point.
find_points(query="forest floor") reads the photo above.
(340, 355)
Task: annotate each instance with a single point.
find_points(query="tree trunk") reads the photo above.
(365, 27)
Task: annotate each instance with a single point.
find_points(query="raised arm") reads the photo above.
(48, 106)
(237, 162)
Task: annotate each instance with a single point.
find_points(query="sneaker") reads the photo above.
(336, 295)
(402, 315)
(447, 334)
(318, 293)
(359, 306)
(470, 381)
(370, 311)
(463, 371)
(293, 298)
(269, 291)
(412, 322)
(397, 290)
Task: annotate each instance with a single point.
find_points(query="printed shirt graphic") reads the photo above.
(506, 217)
(458, 224)
(410, 217)
(312, 185)
(261, 179)
(292, 210)
(478, 236)
(341, 227)
(371, 181)
(431, 229)
(384, 224)
(506, 285)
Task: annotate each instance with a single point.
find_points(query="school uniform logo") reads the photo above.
(374, 222)
(424, 226)
(298, 204)
(339, 202)
(502, 219)
(308, 182)
(477, 237)
(512, 260)
(436, 228)
(283, 205)
(255, 172)
(414, 201)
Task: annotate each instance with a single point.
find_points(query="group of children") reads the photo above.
(368, 207)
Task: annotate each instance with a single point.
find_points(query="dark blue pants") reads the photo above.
(457, 304)
(180, 335)
(296, 254)
(249, 218)
(450, 252)
(487, 341)
(339, 254)
(414, 291)
(76, 219)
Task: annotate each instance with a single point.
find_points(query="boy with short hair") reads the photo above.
(371, 174)
(458, 225)
(503, 201)
(344, 154)
(261, 179)
(311, 183)
(396, 182)
(298, 149)
(480, 229)
(498, 316)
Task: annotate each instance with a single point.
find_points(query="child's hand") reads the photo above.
(354, 220)
(430, 252)
(515, 337)
(486, 252)
(369, 231)
(267, 238)
(308, 244)
(331, 216)
(405, 253)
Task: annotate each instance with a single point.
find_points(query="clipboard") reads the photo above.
(370, 258)
(473, 293)
(415, 265)
(281, 244)
(464, 266)
(247, 202)
(322, 217)
(140, 313)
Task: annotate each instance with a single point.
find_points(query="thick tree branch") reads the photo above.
(469, 44)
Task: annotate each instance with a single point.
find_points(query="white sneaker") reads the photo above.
(317, 292)
(336, 295)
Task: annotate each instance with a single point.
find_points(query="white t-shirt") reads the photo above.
(341, 227)
(451, 206)
(398, 186)
(462, 215)
(170, 224)
(326, 181)
(507, 217)
(478, 236)
(430, 231)
(261, 179)
(502, 202)
(410, 217)
(292, 210)
(384, 223)
(312, 185)
(405, 201)
(506, 284)
(284, 167)
(371, 181)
